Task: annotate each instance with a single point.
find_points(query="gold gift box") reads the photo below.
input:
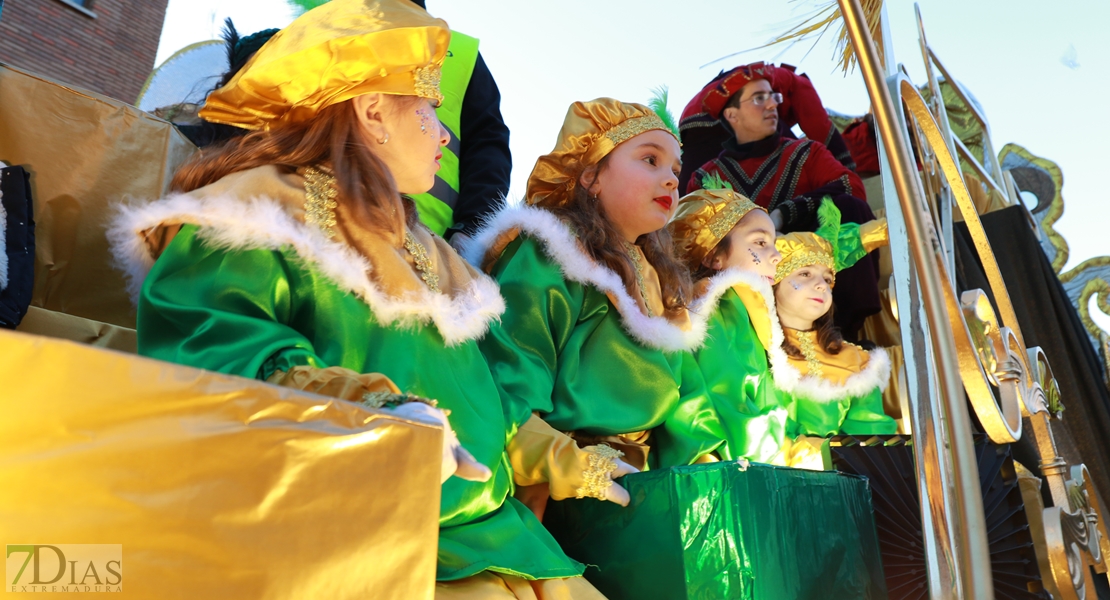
(85, 152)
(215, 486)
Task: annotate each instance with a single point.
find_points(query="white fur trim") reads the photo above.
(3, 244)
(564, 249)
(232, 224)
(875, 375)
(722, 282)
(787, 378)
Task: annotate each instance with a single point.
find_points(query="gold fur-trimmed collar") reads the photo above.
(263, 208)
(754, 292)
(871, 370)
(685, 331)
(852, 373)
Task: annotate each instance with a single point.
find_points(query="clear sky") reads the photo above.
(1039, 69)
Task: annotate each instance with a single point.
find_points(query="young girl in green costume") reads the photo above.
(728, 242)
(589, 350)
(829, 386)
(289, 255)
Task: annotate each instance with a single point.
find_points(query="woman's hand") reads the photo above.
(605, 465)
(339, 382)
(455, 459)
(539, 454)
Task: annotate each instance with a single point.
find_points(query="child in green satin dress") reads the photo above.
(591, 345)
(829, 386)
(728, 242)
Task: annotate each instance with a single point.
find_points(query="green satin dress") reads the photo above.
(846, 397)
(561, 350)
(852, 415)
(252, 312)
(734, 365)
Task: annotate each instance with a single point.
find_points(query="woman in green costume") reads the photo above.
(590, 348)
(728, 242)
(829, 386)
(291, 256)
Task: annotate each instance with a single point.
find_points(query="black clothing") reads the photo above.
(19, 245)
(484, 158)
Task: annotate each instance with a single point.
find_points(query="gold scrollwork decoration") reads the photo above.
(993, 352)
(990, 351)
(981, 352)
(919, 110)
(1066, 538)
(1046, 387)
(1081, 492)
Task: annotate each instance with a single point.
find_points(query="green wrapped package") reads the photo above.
(712, 531)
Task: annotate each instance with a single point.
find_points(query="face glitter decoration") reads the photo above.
(755, 257)
(795, 286)
(425, 121)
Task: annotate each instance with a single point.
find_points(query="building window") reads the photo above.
(82, 6)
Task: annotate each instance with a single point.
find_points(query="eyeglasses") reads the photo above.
(760, 98)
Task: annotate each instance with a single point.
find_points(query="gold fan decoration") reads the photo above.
(828, 17)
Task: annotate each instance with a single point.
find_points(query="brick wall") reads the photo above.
(111, 53)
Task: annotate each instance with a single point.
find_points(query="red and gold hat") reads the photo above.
(716, 94)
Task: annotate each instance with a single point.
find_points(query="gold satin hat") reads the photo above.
(340, 50)
(802, 249)
(591, 130)
(703, 219)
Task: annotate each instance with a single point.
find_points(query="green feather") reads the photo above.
(828, 219)
(658, 103)
(847, 248)
(303, 6)
(713, 181)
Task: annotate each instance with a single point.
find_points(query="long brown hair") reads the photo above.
(605, 245)
(700, 271)
(828, 337)
(332, 138)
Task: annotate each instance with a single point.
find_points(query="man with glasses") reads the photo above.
(757, 104)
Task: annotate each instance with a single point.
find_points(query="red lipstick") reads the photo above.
(665, 201)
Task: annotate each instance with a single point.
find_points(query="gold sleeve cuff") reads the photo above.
(805, 452)
(874, 234)
(336, 382)
(599, 474)
(539, 453)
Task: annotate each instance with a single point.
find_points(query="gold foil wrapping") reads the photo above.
(215, 486)
(39, 321)
(84, 152)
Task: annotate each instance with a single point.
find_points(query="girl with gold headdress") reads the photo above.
(290, 255)
(829, 386)
(728, 242)
(588, 355)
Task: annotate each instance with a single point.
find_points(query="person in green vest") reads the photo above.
(476, 164)
(292, 255)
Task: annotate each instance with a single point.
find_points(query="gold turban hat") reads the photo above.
(591, 130)
(703, 219)
(340, 50)
(836, 245)
(802, 249)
